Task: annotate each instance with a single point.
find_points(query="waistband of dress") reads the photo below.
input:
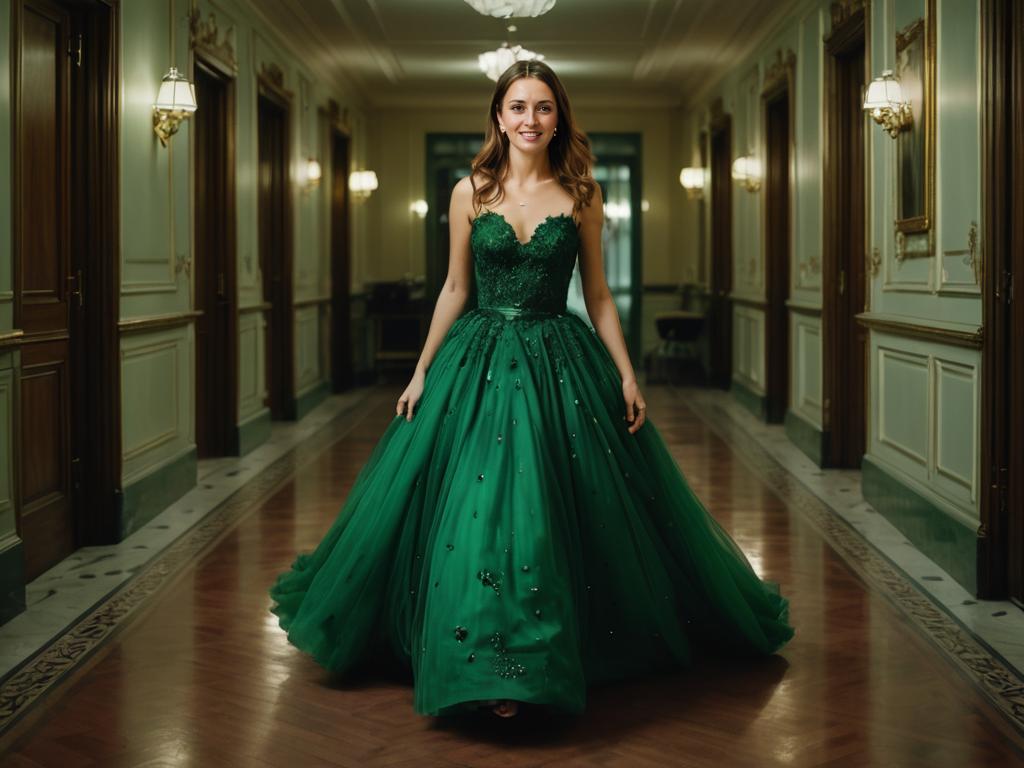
(526, 312)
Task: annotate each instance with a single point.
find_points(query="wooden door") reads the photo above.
(47, 294)
(275, 253)
(1001, 533)
(215, 271)
(777, 256)
(341, 266)
(844, 279)
(720, 310)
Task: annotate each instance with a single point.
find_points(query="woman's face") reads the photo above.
(528, 114)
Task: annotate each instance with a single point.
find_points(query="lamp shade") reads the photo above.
(692, 178)
(176, 94)
(505, 9)
(362, 181)
(313, 170)
(883, 91)
(746, 168)
(493, 63)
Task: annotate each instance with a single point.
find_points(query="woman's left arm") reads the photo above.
(602, 311)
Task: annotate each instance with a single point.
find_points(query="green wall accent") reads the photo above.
(950, 543)
(807, 437)
(308, 401)
(253, 431)
(149, 496)
(12, 581)
(752, 401)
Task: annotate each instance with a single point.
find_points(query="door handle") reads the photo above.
(75, 289)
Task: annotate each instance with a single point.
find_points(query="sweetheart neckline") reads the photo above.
(535, 229)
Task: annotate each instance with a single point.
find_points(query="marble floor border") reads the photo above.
(30, 683)
(974, 656)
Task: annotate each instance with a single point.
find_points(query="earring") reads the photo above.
(554, 132)
(502, 128)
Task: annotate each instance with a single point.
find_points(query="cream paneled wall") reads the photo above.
(925, 426)
(923, 410)
(157, 401)
(158, 376)
(397, 154)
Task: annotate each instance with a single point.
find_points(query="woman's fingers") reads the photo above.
(639, 409)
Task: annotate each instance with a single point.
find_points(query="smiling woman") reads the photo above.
(520, 532)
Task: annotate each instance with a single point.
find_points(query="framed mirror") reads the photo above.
(915, 145)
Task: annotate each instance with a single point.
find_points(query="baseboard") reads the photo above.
(12, 580)
(150, 495)
(254, 431)
(311, 398)
(952, 544)
(754, 402)
(805, 436)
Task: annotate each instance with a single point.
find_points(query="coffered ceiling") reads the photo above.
(608, 52)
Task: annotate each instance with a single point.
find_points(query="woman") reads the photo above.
(521, 530)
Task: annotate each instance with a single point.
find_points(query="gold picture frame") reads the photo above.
(915, 145)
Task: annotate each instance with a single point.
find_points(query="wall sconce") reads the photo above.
(175, 102)
(693, 180)
(419, 207)
(617, 210)
(884, 100)
(747, 171)
(313, 173)
(362, 183)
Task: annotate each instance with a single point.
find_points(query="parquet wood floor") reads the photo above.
(204, 677)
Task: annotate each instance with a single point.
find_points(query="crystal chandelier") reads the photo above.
(493, 63)
(504, 9)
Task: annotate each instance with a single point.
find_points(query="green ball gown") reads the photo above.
(514, 540)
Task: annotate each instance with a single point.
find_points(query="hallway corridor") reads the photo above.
(183, 665)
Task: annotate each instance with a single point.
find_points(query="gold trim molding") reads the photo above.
(11, 338)
(778, 73)
(158, 322)
(844, 9)
(968, 339)
(207, 41)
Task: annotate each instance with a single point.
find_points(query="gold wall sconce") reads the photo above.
(175, 102)
(362, 183)
(747, 171)
(312, 173)
(884, 100)
(693, 181)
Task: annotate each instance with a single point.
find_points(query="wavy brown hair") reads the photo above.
(569, 151)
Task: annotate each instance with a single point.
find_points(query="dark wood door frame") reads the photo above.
(720, 305)
(340, 143)
(277, 291)
(778, 120)
(1001, 533)
(216, 268)
(844, 341)
(92, 173)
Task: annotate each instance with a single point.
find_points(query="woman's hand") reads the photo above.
(409, 399)
(636, 408)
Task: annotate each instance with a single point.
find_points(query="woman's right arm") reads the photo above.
(453, 296)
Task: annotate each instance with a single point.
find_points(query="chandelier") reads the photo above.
(493, 63)
(504, 9)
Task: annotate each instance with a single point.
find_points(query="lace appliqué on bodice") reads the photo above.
(533, 275)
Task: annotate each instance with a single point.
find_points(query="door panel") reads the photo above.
(275, 256)
(777, 223)
(43, 265)
(720, 310)
(216, 358)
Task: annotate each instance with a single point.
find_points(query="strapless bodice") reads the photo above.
(529, 277)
